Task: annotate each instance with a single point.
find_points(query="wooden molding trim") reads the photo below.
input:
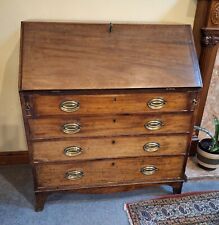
(201, 17)
(13, 158)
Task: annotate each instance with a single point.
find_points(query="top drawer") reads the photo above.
(67, 104)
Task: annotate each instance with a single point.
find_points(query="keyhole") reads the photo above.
(113, 141)
(114, 120)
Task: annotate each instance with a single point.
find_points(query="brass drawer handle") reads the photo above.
(71, 128)
(156, 103)
(151, 147)
(74, 174)
(69, 106)
(72, 151)
(154, 125)
(148, 170)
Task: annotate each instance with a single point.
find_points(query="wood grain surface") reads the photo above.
(101, 126)
(97, 148)
(61, 56)
(49, 104)
(106, 172)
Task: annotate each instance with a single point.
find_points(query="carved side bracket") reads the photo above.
(210, 37)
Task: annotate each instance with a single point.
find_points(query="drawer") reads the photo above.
(109, 125)
(106, 172)
(110, 104)
(97, 148)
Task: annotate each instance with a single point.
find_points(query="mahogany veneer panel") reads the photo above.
(109, 126)
(115, 147)
(105, 172)
(84, 56)
(45, 104)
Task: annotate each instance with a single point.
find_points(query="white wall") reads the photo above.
(13, 11)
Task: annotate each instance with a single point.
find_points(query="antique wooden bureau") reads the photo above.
(107, 107)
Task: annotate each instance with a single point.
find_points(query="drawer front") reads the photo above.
(109, 126)
(110, 104)
(97, 148)
(106, 172)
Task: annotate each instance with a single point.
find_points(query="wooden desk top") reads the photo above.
(62, 56)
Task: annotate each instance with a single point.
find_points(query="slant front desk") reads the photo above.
(107, 107)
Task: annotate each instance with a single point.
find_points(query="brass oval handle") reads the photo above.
(156, 103)
(74, 174)
(72, 151)
(154, 125)
(71, 128)
(151, 147)
(69, 106)
(148, 170)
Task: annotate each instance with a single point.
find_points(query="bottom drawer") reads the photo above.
(104, 172)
